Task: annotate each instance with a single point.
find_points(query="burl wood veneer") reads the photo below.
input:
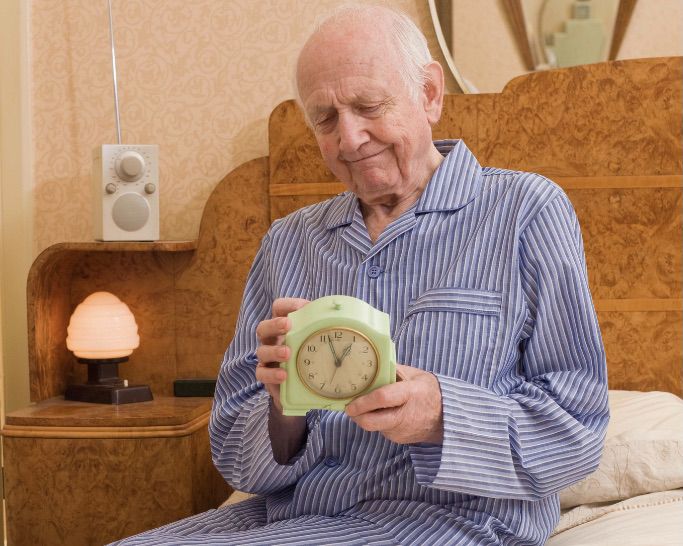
(87, 474)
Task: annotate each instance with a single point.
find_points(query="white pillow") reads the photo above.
(643, 450)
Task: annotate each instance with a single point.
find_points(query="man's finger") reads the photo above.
(388, 396)
(379, 420)
(272, 353)
(284, 306)
(270, 375)
(270, 330)
(406, 373)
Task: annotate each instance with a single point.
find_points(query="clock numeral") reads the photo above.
(365, 377)
(307, 362)
(337, 390)
(371, 363)
(311, 375)
(322, 385)
(338, 334)
(354, 386)
(365, 350)
(311, 348)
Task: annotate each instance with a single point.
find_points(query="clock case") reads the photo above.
(334, 312)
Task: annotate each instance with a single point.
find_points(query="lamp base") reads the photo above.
(104, 385)
(105, 394)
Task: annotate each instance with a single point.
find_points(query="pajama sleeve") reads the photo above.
(533, 435)
(238, 428)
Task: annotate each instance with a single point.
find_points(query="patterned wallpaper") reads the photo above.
(199, 78)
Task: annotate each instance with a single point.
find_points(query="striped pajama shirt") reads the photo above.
(485, 283)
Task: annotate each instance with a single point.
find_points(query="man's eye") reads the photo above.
(370, 109)
(325, 120)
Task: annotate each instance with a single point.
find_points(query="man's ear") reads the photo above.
(433, 91)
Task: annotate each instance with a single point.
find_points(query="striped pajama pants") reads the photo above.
(245, 524)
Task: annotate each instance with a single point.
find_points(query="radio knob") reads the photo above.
(150, 188)
(130, 166)
(110, 188)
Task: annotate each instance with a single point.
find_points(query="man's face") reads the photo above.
(373, 136)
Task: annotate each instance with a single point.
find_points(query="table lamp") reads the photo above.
(102, 333)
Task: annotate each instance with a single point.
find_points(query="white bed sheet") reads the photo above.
(655, 519)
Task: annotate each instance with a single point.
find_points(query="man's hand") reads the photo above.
(272, 351)
(406, 412)
(287, 433)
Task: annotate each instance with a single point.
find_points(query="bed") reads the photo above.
(635, 497)
(609, 134)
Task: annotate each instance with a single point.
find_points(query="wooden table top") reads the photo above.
(163, 411)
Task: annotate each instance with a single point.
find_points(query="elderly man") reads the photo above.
(481, 270)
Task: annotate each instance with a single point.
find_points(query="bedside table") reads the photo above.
(87, 474)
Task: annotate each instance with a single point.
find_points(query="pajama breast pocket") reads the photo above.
(451, 331)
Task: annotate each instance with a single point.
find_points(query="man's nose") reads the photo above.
(352, 134)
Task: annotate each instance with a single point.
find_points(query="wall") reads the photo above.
(16, 241)
(198, 78)
(485, 53)
(656, 30)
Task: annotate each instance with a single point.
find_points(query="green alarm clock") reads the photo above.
(341, 348)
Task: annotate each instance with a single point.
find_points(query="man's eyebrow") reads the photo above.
(357, 100)
(371, 98)
(320, 110)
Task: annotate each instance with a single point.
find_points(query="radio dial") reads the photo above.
(130, 166)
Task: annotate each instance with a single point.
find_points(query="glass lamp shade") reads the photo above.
(102, 327)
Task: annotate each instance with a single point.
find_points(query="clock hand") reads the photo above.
(337, 361)
(345, 353)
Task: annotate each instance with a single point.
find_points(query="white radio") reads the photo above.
(125, 182)
(126, 191)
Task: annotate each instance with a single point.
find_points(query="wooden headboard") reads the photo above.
(609, 133)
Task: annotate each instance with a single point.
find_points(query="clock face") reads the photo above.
(337, 362)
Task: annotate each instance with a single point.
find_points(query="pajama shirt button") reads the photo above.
(331, 462)
(374, 271)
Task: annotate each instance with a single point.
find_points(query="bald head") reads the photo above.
(371, 94)
(400, 41)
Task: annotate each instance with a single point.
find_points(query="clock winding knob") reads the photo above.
(130, 166)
